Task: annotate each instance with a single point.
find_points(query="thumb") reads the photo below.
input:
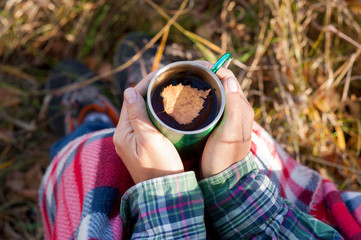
(236, 112)
(137, 112)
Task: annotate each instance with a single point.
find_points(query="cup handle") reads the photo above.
(224, 60)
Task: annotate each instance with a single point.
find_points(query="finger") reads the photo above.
(227, 84)
(123, 113)
(238, 113)
(222, 73)
(123, 129)
(123, 119)
(142, 86)
(137, 114)
(231, 85)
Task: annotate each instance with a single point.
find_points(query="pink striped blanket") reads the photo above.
(88, 168)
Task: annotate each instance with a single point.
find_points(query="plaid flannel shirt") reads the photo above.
(240, 202)
(80, 197)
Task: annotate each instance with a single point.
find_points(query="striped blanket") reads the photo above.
(88, 174)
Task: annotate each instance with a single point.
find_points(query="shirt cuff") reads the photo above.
(174, 200)
(233, 173)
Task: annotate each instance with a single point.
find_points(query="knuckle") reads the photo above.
(235, 113)
(132, 115)
(121, 139)
(116, 138)
(143, 142)
(228, 72)
(247, 108)
(234, 137)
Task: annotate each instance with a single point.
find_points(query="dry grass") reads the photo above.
(299, 64)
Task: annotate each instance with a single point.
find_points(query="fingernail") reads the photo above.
(232, 85)
(130, 95)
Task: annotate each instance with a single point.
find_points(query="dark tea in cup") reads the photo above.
(185, 102)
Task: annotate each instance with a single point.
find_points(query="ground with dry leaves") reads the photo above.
(298, 63)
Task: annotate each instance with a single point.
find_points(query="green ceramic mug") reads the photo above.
(181, 139)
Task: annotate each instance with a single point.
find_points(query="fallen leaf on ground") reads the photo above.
(8, 99)
(92, 62)
(15, 181)
(104, 68)
(183, 103)
(7, 136)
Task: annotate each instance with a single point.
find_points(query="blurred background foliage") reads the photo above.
(298, 63)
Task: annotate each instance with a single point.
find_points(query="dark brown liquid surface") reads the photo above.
(206, 115)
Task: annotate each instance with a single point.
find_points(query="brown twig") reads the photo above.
(335, 165)
(348, 76)
(160, 50)
(78, 85)
(18, 73)
(332, 28)
(345, 68)
(288, 111)
(29, 127)
(189, 34)
(262, 101)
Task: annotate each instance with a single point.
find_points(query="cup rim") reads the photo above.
(215, 77)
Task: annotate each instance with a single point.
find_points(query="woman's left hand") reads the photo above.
(230, 141)
(145, 151)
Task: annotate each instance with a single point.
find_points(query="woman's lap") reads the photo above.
(299, 184)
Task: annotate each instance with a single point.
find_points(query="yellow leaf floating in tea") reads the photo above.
(183, 103)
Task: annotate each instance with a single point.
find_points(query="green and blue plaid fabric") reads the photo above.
(170, 207)
(240, 202)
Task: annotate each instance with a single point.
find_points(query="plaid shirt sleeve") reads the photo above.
(243, 203)
(169, 207)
